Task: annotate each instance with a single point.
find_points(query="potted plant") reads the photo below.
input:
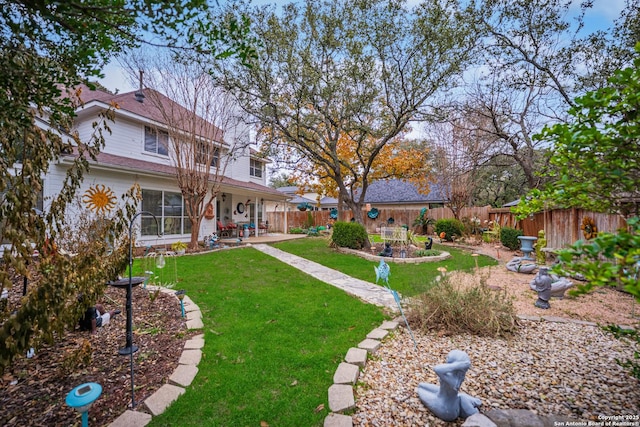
(179, 247)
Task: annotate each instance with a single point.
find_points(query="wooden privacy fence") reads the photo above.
(561, 226)
(400, 217)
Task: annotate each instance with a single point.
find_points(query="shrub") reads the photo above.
(296, 230)
(455, 305)
(509, 237)
(450, 227)
(309, 222)
(349, 235)
(427, 252)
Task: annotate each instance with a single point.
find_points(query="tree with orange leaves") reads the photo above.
(396, 159)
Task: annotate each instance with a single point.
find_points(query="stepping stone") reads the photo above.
(378, 334)
(389, 325)
(356, 356)
(338, 420)
(478, 420)
(190, 357)
(341, 398)
(195, 324)
(194, 344)
(183, 375)
(370, 345)
(131, 419)
(163, 398)
(346, 374)
(514, 417)
(194, 315)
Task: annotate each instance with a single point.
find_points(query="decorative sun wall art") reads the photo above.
(99, 199)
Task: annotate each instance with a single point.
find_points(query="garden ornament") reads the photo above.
(542, 283)
(382, 273)
(388, 250)
(82, 397)
(526, 245)
(445, 400)
(559, 285)
(429, 243)
(521, 265)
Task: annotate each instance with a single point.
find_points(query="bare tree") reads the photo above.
(454, 163)
(201, 121)
(534, 61)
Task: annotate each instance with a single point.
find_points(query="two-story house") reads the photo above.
(137, 151)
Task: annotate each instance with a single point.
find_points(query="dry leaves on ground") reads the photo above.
(33, 391)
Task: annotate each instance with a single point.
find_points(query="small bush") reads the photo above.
(455, 305)
(297, 230)
(509, 237)
(451, 227)
(309, 223)
(427, 252)
(349, 235)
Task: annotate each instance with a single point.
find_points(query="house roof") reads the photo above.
(289, 189)
(111, 162)
(155, 107)
(397, 191)
(325, 201)
(299, 199)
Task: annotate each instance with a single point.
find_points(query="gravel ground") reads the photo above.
(550, 368)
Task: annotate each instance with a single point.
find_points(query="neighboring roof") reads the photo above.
(398, 191)
(149, 109)
(299, 199)
(111, 161)
(328, 201)
(290, 189)
(512, 203)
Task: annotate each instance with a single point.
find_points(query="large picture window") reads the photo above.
(156, 141)
(255, 168)
(168, 207)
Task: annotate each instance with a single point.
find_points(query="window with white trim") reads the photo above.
(204, 151)
(156, 141)
(168, 207)
(255, 168)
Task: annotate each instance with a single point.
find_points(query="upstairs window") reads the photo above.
(206, 151)
(156, 141)
(255, 168)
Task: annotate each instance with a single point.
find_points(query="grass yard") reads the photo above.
(408, 279)
(274, 337)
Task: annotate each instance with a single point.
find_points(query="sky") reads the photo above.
(600, 17)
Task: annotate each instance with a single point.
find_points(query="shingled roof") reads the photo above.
(180, 117)
(112, 161)
(396, 191)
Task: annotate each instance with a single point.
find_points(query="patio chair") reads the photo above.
(224, 231)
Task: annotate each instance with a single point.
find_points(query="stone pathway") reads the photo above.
(366, 291)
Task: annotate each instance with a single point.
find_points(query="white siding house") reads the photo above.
(135, 152)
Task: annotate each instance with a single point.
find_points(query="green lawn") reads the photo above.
(408, 279)
(274, 336)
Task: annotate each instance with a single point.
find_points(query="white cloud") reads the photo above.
(115, 78)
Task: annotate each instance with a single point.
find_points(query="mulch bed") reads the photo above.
(33, 391)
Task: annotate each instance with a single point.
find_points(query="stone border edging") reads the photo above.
(341, 397)
(181, 378)
(443, 255)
